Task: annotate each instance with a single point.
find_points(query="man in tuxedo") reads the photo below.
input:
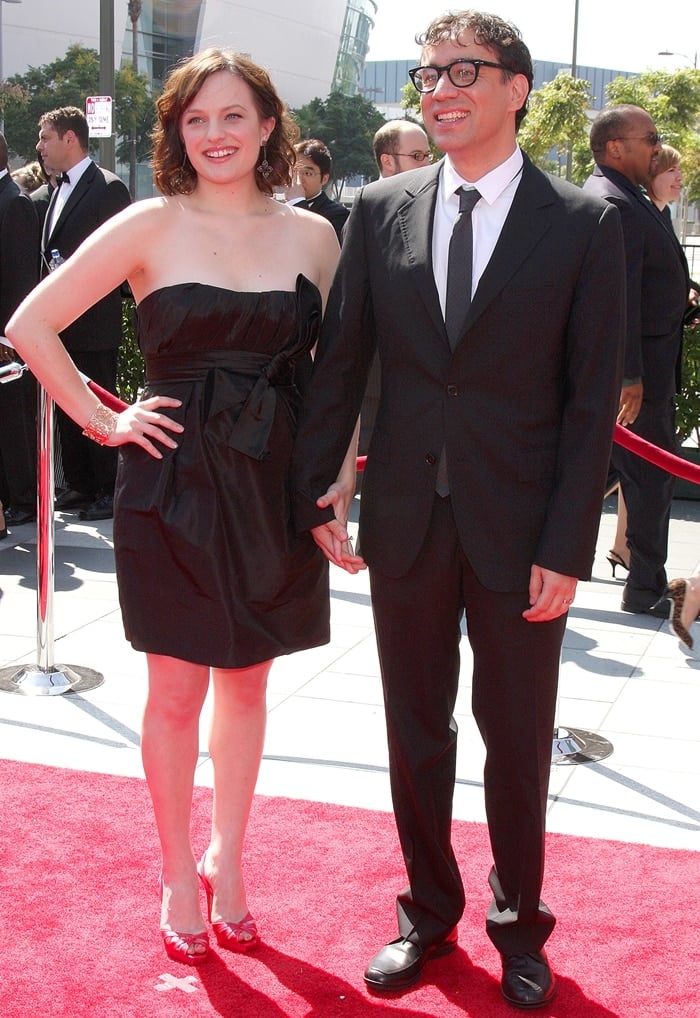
(501, 358)
(312, 171)
(41, 198)
(625, 144)
(19, 248)
(86, 197)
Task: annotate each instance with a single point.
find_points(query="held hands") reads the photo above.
(551, 595)
(332, 537)
(143, 425)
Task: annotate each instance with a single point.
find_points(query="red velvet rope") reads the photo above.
(640, 447)
(675, 465)
(108, 398)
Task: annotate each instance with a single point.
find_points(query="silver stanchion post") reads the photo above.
(576, 746)
(45, 678)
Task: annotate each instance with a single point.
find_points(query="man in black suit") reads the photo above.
(19, 248)
(484, 477)
(312, 172)
(41, 198)
(625, 144)
(86, 197)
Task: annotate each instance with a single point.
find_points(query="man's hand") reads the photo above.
(630, 404)
(551, 595)
(332, 537)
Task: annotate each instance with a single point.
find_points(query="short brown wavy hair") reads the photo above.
(172, 170)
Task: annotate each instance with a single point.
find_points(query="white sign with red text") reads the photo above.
(98, 113)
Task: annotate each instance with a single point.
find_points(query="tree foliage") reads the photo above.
(556, 121)
(346, 124)
(68, 81)
(673, 102)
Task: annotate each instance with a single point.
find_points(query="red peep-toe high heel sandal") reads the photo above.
(187, 948)
(240, 936)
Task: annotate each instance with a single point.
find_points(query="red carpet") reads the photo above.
(79, 908)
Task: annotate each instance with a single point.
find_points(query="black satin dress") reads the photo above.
(209, 567)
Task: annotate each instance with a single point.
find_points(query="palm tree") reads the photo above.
(134, 15)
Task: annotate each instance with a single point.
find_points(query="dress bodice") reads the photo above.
(243, 347)
(200, 318)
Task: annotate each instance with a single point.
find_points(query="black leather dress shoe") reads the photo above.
(101, 509)
(401, 962)
(71, 499)
(16, 517)
(527, 980)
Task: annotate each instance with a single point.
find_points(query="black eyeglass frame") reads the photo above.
(476, 64)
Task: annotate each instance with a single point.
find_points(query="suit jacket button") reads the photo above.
(452, 390)
(430, 459)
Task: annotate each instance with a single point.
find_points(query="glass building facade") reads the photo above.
(354, 44)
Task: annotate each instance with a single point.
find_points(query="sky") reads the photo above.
(612, 34)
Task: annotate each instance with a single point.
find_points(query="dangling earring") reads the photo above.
(265, 169)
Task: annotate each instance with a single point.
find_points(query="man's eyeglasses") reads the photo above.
(651, 138)
(420, 157)
(462, 74)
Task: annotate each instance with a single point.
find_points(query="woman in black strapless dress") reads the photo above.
(214, 582)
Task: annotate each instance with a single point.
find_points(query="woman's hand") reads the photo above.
(332, 537)
(143, 425)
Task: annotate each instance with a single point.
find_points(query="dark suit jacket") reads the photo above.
(19, 248)
(525, 405)
(657, 284)
(97, 196)
(41, 199)
(333, 211)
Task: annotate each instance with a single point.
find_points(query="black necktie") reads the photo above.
(62, 178)
(459, 267)
(459, 293)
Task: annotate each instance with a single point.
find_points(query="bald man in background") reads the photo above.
(400, 145)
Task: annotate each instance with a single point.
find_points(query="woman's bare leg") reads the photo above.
(169, 748)
(236, 744)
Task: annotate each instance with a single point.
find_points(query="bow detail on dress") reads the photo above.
(229, 388)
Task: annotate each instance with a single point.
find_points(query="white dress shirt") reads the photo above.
(497, 189)
(65, 190)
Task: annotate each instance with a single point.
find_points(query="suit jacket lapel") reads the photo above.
(525, 225)
(415, 219)
(80, 189)
(46, 233)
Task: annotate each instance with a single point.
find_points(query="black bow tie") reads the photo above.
(62, 178)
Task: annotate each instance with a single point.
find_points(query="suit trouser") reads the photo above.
(18, 443)
(89, 467)
(648, 495)
(516, 666)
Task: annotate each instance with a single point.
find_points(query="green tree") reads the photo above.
(556, 122)
(68, 81)
(346, 124)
